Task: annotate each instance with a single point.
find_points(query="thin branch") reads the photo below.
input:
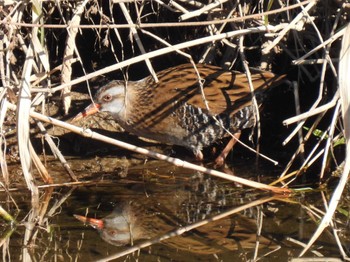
(175, 161)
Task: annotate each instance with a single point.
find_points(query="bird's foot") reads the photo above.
(220, 160)
(198, 155)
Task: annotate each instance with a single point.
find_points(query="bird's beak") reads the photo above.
(90, 110)
(95, 223)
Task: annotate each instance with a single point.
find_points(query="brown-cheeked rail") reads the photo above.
(173, 110)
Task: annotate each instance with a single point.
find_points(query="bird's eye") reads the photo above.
(107, 98)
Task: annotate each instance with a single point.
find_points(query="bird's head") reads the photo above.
(109, 98)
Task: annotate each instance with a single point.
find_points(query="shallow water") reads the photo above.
(139, 202)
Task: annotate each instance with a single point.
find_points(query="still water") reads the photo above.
(176, 214)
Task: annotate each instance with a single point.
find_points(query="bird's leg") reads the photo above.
(198, 155)
(220, 160)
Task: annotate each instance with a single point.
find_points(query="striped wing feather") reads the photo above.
(225, 91)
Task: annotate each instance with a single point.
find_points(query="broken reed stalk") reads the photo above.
(175, 161)
(69, 53)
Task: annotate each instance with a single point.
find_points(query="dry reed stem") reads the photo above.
(57, 153)
(316, 61)
(334, 229)
(210, 51)
(43, 209)
(175, 161)
(58, 204)
(179, 7)
(292, 25)
(330, 40)
(202, 10)
(311, 112)
(24, 105)
(315, 252)
(41, 215)
(330, 139)
(3, 148)
(251, 87)
(166, 50)
(138, 40)
(120, 40)
(5, 240)
(39, 165)
(301, 146)
(315, 110)
(69, 53)
(259, 222)
(74, 184)
(41, 76)
(40, 51)
(174, 24)
(298, 111)
(344, 87)
(307, 162)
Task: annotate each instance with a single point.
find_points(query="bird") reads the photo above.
(133, 222)
(190, 106)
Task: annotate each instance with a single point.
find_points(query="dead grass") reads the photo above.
(41, 48)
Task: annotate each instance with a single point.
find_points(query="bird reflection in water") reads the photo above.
(130, 221)
(119, 228)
